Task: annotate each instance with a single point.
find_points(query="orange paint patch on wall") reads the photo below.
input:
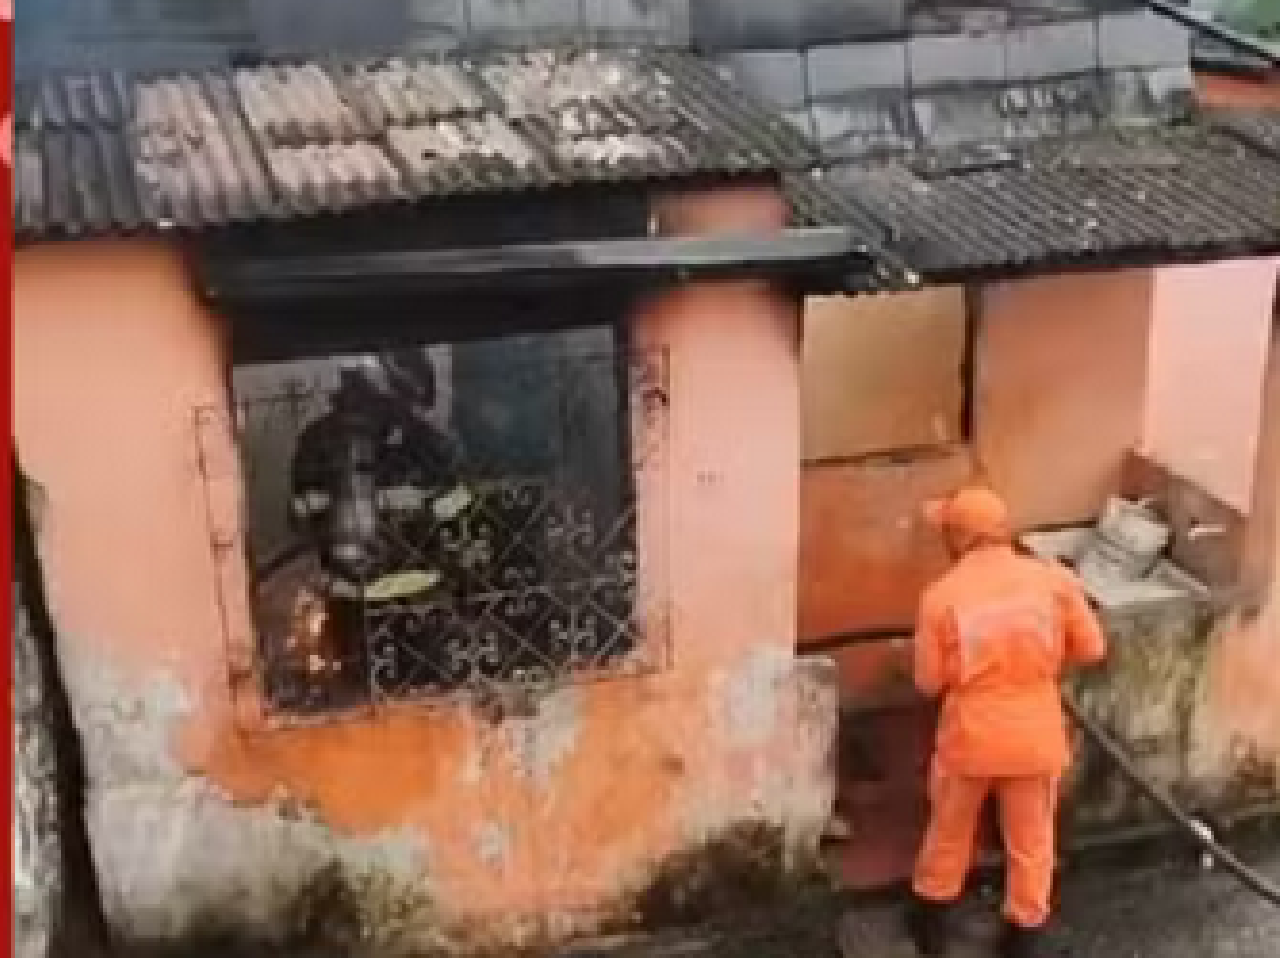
(865, 554)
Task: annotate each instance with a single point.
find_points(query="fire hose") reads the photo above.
(1116, 753)
(1256, 882)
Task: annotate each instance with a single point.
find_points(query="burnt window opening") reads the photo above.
(458, 518)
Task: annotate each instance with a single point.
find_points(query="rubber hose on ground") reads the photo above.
(1257, 883)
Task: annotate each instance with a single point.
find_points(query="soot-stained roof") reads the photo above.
(1125, 196)
(961, 137)
(105, 153)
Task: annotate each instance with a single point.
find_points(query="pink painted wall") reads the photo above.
(431, 817)
(1239, 721)
(1210, 334)
(1060, 389)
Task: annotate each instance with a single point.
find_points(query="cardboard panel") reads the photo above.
(882, 373)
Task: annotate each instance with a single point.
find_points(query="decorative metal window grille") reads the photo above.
(474, 533)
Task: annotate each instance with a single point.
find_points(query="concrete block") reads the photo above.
(855, 127)
(1141, 39)
(1036, 12)
(1051, 49)
(942, 17)
(1154, 95)
(1125, 97)
(802, 119)
(300, 28)
(836, 71)
(1172, 90)
(637, 21)
(524, 23)
(776, 76)
(437, 24)
(770, 24)
(957, 59)
(962, 118)
(1065, 105)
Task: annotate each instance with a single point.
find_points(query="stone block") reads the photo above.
(1172, 91)
(664, 22)
(1051, 49)
(524, 23)
(776, 76)
(313, 28)
(769, 24)
(802, 119)
(841, 69)
(857, 126)
(437, 24)
(945, 17)
(1150, 95)
(951, 119)
(957, 59)
(1141, 39)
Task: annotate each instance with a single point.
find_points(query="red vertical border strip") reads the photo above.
(6, 135)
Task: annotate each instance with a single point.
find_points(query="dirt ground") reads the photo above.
(1168, 908)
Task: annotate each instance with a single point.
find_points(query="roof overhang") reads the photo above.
(287, 305)
(831, 258)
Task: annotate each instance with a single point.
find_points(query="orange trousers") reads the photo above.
(1027, 811)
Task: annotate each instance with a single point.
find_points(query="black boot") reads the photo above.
(927, 926)
(1021, 942)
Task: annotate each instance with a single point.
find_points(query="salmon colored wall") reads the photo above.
(432, 816)
(1060, 389)
(1210, 335)
(1224, 90)
(1241, 717)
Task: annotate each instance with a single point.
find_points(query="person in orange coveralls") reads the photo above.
(993, 636)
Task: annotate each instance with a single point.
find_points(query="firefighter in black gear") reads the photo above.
(370, 479)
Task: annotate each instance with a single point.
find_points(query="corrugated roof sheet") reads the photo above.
(104, 153)
(1150, 194)
(1259, 128)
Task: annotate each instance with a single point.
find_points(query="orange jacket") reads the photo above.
(993, 637)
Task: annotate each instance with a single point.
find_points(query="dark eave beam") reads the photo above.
(831, 259)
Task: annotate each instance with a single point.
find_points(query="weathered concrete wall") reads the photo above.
(55, 897)
(416, 828)
(37, 850)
